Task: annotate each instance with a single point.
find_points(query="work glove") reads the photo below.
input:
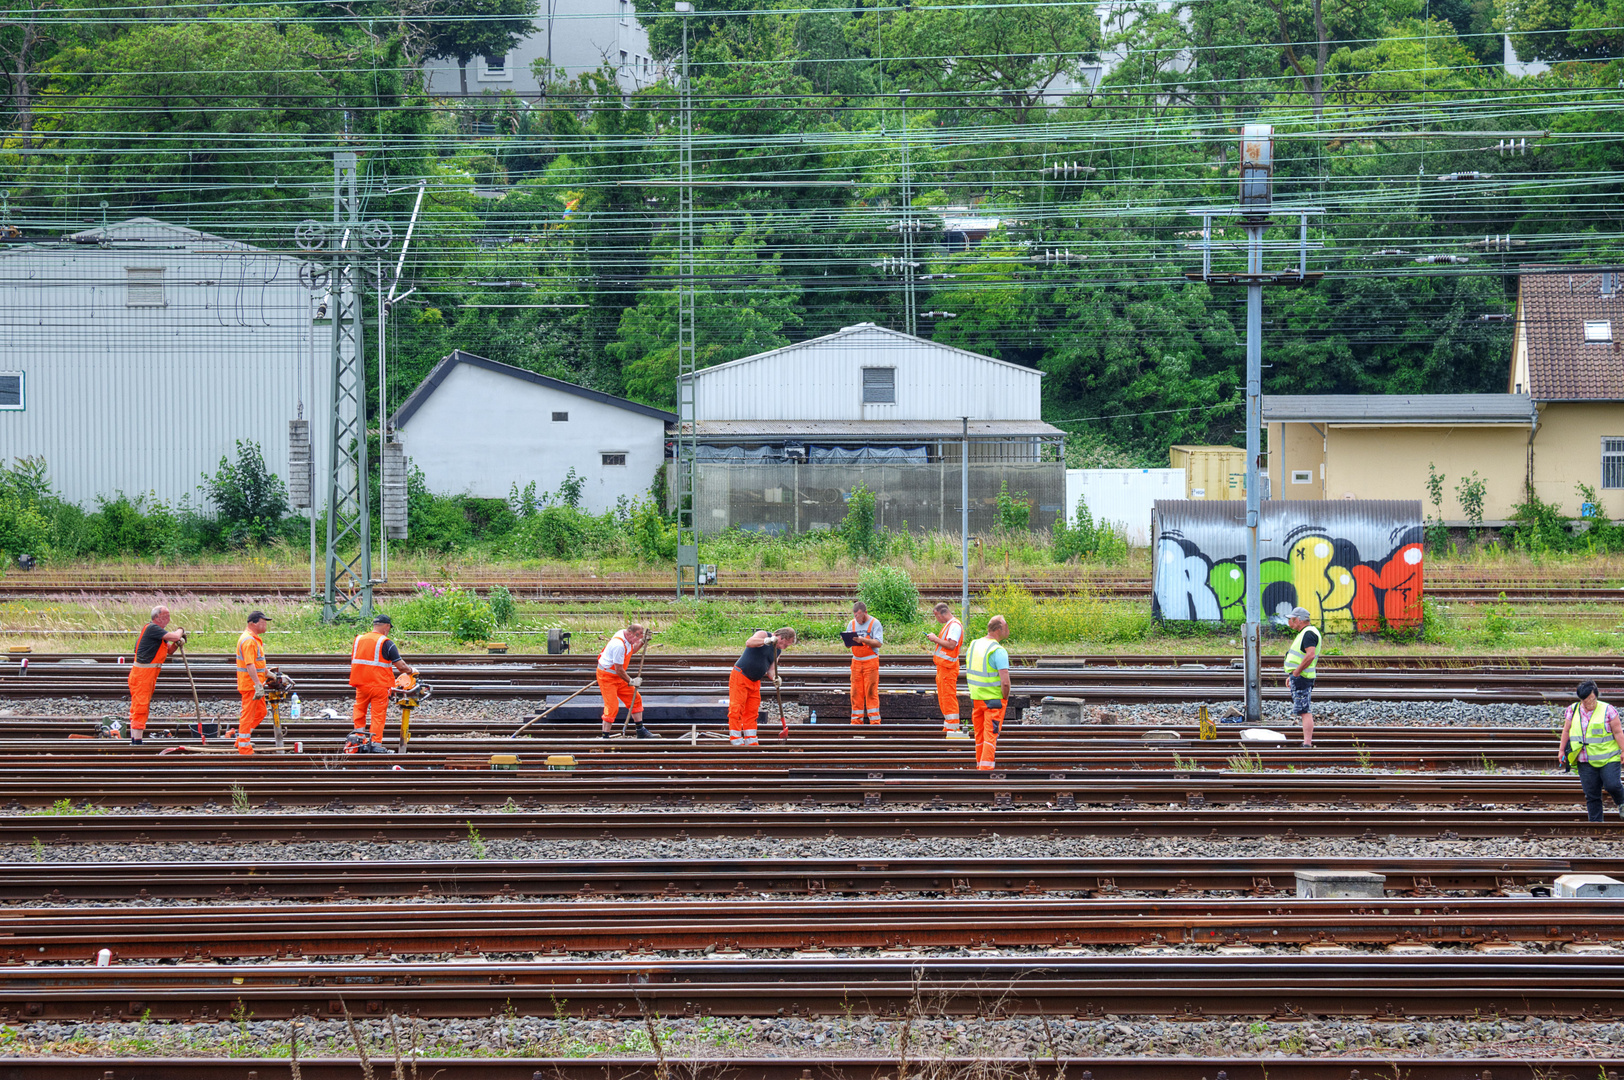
(259, 691)
(183, 635)
(637, 681)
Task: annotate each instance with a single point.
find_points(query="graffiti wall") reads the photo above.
(1354, 564)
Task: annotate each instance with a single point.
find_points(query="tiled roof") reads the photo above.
(1557, 301)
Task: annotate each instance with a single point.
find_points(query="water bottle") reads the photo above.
(296, 710)
(813, 718)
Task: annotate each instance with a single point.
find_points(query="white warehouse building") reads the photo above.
(786, 435)
(478, 427)
(135, 356)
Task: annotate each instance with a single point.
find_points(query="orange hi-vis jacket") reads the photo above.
(250, 660)
(368, 669)
(953, 631)
(872, 629)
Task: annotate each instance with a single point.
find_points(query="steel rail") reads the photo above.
(668, 819)
(935, 789)
(586, 879)
(145, 934)
(1168, 986)
(716, 1067)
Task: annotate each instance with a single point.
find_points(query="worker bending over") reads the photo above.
(988, 676)
(1301, 661)
(758, 661)
(155, 645)
(865, 664)
(374, 662)
(616, 685)
(1593, 746)
(251, 677)
(947, 643)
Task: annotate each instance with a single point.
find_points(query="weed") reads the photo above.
(1183, 764)
(65, 808)
(1489, 766)
(510, 807)
(1258, 1027)
(476, 843)
(1247, 762)
(239, 799)
(1362, 753)
(39, 850)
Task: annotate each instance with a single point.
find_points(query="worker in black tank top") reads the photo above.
(758, 661)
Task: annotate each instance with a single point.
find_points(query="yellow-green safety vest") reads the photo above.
(1600, 746)
(985, 684)
(1295, 655)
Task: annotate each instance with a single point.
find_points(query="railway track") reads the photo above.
(1084, 986)
(333, 880)
(670, 820)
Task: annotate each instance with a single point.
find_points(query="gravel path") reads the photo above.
(929, 1037)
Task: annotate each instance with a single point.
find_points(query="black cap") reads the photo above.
(386, 620)
(256, 615)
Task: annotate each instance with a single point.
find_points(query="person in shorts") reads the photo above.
(1301, 660)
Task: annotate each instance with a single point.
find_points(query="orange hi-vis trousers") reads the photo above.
(616, 690)
(988, 721)
(253, 711)
(865, 690)
(743, 709)
(375, 699)
(947, 693)
(143, 681)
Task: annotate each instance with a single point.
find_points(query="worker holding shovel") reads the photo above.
(155, 645)
(758, 661)
(617, 685)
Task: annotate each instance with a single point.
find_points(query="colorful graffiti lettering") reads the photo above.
(1319, 572)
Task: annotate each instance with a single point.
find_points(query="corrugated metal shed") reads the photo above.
(149, 350)
(822, 379)
(1351, 563)
(1398, 409)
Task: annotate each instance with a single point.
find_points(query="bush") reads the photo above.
(249, 500)
(1538, 526)
(24, 528)
(1087, 538)
(858, 528)
(459, 612)
(654, 537)
(1014, 511)
(890, 594)
(502, 606)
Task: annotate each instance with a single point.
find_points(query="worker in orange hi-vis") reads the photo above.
(947, 643)
(374, 661)
(155, 645)
(616, 685)
(987, 672)
(867, 635)
(758, 661)
(251, 676)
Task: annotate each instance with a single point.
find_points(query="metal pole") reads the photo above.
(1254, 416)
(964, 523)
(910, 318)
(383, 428)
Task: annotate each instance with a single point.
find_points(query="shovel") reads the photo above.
(642, 654)
(196, 704)
(551, 708)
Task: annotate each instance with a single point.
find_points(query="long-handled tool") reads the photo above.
(551, 708)
(783, 724)
(196, 704)
(642, 654)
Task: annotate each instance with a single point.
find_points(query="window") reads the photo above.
(1599, 331)
(623, 58)
(1612, 463)
(144, 286)
(625, 12)
(495, 69)
(561, 416)
(879, 386)
(1302, 476)
(11, 391)
(614, 459)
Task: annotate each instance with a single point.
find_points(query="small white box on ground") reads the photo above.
(1262, 735)
(1588, 886)
(1340, 885)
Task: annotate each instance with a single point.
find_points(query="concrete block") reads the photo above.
(1340, 885)
(1588, 886)
(1062, 710)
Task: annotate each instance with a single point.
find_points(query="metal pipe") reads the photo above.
(964, 525)
(1254, 411)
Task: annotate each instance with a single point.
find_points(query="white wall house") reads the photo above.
(477, 427)
(575, 35)
(133, 357)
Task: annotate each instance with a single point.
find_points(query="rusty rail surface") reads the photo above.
(1481, 987)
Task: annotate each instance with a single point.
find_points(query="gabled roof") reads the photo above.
(865, 330)
(445, 367)
(1391, 409)
(1556, 302)
(151, 230)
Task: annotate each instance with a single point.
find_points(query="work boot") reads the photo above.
(645, 733)
(603, 735)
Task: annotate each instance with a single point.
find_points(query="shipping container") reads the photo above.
(1211, 472)
(1353, 563)
(1122, 497)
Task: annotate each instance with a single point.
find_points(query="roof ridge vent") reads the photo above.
(858, 326)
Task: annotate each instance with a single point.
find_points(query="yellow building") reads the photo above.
(1561, 424)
